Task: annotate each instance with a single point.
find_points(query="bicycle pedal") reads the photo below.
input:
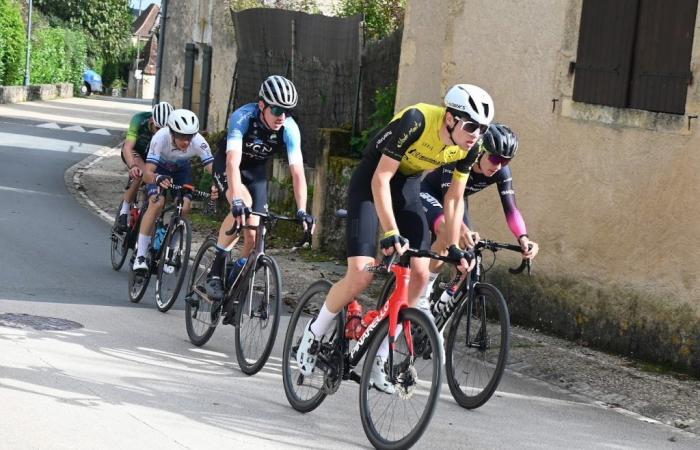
(167, 268)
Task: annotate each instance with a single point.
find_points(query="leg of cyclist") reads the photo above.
(135, 174)
(155, 206)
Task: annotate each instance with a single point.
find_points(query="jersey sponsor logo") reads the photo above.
(204, 146)
(381, 139)
(402, 140)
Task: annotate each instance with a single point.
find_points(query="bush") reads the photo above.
(384, 99)
(13, 43)
(59, 55)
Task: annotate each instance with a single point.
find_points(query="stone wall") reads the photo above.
(18, 94)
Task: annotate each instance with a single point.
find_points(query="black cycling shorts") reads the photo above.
(363, 223)
(434, 209)
(253, 177)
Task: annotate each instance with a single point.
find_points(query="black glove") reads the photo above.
(308, 219)
(162, 178)
(455, 254)
(238, 208)
(388, 242)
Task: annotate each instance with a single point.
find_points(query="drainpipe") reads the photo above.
(161, 49)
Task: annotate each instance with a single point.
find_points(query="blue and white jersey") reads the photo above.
(247, 134)
(164, 153)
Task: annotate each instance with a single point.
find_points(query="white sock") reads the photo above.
(383, 351)
(424, 299)
(323, 321)
(125, 208)
(144, 240)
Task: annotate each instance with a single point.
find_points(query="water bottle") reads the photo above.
(353, 324)
(158, 238)
(235, 270)
(444, 304)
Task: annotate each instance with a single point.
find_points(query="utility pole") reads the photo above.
(29, 45)
(138, 51)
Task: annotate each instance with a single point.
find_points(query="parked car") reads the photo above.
(92, 82)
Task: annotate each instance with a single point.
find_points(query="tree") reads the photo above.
(382, 17)
(13, 43)
(107, 22)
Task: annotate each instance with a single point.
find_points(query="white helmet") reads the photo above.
(183, 121)
(472, 100)
(278, 91)
(160, 112)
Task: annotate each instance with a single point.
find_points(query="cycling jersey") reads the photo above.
(412, 138)
(248, 134)
(140, 132)
(435, 185)
(164, 153)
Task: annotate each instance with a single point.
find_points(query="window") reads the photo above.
(635, 54)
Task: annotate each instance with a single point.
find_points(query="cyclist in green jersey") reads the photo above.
(142, 127)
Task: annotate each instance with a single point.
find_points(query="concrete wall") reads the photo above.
(610, 194)
(199, 21)
(17, 94)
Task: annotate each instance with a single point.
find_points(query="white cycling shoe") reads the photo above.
(140, 264)
(305, 360)
(378, 376)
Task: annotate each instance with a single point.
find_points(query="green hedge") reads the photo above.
(13, 43)
(58, 55)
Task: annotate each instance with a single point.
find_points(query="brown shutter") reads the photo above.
(605, 47)
(661, 67)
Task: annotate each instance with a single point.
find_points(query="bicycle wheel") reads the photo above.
(119, 245)
(138, 283)
(305, 393)
(393, 421)
(477, 347)
(172, 267)
(258, 315)
(201, 313)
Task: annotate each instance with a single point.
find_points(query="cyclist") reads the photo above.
(141, 129)
(168, 162)
(496, 150)
(255, 132)
(419, 138)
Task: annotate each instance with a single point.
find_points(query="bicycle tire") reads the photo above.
(370, 411)
(198, 307)
(468, 386)
(165, 298)
(136, 291)
(249, 360)
(119, 245)
(311, 299)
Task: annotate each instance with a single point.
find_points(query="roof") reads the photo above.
(147, 21)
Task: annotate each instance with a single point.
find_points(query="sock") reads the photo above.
(125, 208)
(218, 264)
(144, 240)
(424, 299)
(383, 351)
(323, 321)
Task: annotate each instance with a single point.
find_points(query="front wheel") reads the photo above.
(477, 347)
(398, 420)
(172, 266)
(257, 315)
(201, 313)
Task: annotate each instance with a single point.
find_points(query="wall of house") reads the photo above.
(200, 22)
(610, 194)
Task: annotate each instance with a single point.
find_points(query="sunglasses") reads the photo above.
(278, 110)
(470, 126)
(496, 160)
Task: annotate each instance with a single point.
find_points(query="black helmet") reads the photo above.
(500, 140)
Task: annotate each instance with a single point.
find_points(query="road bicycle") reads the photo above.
(122, 242)
(168, 253)
(252, 298)
(478, 337)
(389, 421)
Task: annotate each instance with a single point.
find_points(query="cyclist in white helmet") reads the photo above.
(168, 163)
(255, 132)
(142, 127)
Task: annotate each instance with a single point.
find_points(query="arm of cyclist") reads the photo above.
(299, 185)
(128, 154)
(235, 185)
(514, 218)
(381, 192)
(454, 213)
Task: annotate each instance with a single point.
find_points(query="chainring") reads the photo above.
(334, 375)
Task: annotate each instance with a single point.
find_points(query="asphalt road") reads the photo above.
(128, 377)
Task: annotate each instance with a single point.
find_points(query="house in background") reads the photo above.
(143, 73)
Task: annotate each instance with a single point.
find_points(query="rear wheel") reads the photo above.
(398, 420)
(258, 316)
(119, 245)
(201, 313)
(305, 393)
(172, 267)
(477, 347)
(138, 282)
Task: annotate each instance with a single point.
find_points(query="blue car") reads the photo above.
(92, 82)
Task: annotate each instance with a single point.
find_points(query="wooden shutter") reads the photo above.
(661, 68)
(605, 48)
